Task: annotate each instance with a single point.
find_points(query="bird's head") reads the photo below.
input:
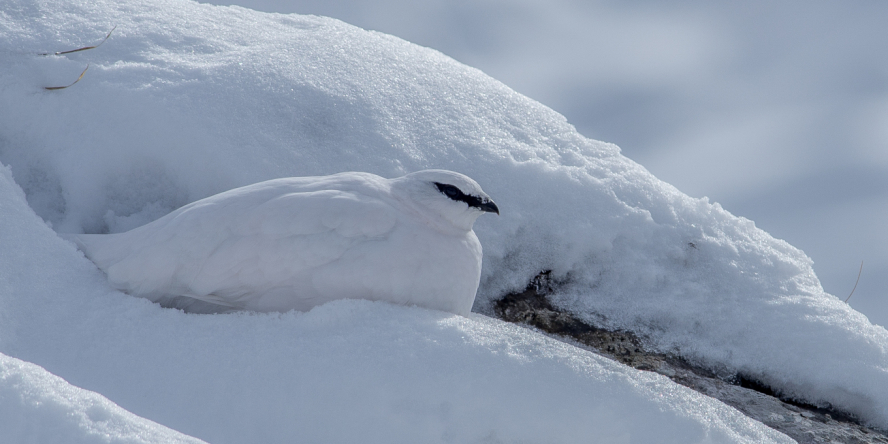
(450, 196)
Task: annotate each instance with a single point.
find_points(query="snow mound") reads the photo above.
(186, 100)
(347, 371)
(38, 407)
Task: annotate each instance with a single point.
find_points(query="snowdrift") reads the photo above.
(186, 100)
(348, 371)
(38, 407)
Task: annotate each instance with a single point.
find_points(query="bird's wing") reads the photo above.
(230, 247)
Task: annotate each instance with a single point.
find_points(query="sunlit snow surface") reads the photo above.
(348, 371)
(186, 100)
(38, 407)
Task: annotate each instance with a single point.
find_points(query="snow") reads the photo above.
(186, 100)
(38, 407)
(347, 371)
(784, 126)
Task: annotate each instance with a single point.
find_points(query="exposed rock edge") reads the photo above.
(803, 423)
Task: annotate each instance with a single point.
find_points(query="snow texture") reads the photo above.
(38, 407)
(187, 100)
(299, 242)
(347, 371)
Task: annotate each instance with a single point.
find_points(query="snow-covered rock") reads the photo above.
(347, 371)
(186, 100)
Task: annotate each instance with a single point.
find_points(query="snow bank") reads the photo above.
(348, 371)
(38, 407)
(186, 100)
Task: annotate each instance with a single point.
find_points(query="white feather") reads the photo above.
(296, 243)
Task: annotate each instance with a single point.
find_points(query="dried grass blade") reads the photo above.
(52, 88)
(858, 281)
(85, 47)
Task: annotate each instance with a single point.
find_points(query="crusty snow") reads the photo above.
(186, 100)
(39, 407)
(347, 371)
(784, 125)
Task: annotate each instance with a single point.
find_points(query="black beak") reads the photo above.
(489, 207)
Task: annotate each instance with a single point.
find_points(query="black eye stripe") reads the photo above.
(449, 190)
(457, 194)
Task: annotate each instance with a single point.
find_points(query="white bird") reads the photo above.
(296, 243)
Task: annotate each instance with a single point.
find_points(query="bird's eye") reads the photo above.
(449, 190)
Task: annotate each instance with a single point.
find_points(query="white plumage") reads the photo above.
(295, 243)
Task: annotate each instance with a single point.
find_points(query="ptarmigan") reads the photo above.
(299, 242)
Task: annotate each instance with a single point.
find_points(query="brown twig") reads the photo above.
(52, 88)
(858, 281)
(82, 49)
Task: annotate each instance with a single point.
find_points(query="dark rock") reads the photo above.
(804, 423)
